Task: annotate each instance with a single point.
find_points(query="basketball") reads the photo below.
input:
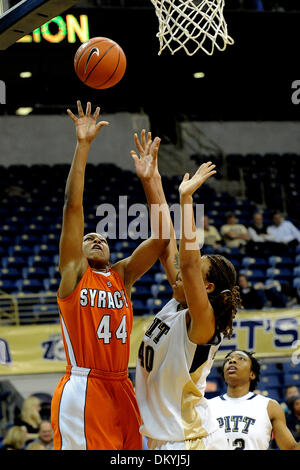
(100, 63)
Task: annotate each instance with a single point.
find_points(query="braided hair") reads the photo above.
(225, 299)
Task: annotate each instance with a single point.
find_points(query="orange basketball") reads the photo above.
(100, 63)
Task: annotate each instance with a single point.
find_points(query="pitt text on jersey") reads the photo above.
(232, 423)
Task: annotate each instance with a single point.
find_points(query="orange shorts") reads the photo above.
(95, 410)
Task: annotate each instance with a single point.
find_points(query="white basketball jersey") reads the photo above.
(171, 379)
(245, 420)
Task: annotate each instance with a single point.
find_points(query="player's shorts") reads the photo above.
(213, 441)
(95, 410)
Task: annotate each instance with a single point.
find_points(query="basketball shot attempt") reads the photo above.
(94, 405)
(100, 63)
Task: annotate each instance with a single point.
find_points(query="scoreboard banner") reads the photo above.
(37, 349)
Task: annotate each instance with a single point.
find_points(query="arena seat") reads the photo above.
(8, 286)
(270, 381)
(290, 368)
(291, 379)
(29, 285)
(51, 284)
(11, 274)
(154, 305)
(269, 369)
(279, 273)
(274, 393)
(34, 272)
(140, 307)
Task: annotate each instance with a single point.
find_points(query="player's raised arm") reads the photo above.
(147, 253)
(72, 263)
(202, 324)
(147, 171)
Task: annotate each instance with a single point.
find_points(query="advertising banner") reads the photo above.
(35, 349)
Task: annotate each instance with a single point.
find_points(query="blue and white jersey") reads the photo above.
(245, 420)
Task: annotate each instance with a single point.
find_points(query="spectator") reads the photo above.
(259, 295)
(15, 438)
(274, 294)
(30, 417)
(251, 298)
(293, 418)
(284, 232)
(235, 235)
(261, 242)
(45, 437)
(289, 392)
(209, 237)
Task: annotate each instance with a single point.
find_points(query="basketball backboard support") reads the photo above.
(20, 18)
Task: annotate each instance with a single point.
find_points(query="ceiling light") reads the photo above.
(25, 74)
(23, 111)
(199, 75)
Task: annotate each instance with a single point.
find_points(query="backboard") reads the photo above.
(18, 18)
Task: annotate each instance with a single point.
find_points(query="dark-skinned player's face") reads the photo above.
(237, 368)
(95, 249)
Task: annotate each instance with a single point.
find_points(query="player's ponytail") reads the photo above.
(225, 299)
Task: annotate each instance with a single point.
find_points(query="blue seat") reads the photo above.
(8, 285)
(53, 272)
(296, 282)
(30, 285)
(291, 379)
(161, 291)
(161, 278)
(51, 284)
(268, 381)
(269, 369)
(21, 250)
(248, 261)
(5, 241)
(280, 261)
(290, 368)
(139, 307)
(11, 274)
(279, 273)
(28, 240)
(17, 262)
(253, 274)
(34, 272)
(296, 271)
(154, 305)
(46, 249)
(274, 393)
(35, 261)
(141, 292)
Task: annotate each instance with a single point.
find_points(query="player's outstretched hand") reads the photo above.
(146, 163)
(189, 186)
(86, 124)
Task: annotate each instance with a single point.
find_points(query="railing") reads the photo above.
(22, 309)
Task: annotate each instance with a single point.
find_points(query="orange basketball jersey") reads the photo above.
(96, 321)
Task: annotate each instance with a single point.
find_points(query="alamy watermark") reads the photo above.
(296, 94)
(115, 224)
(2, 92)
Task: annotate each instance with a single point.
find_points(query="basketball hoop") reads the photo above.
(191, 25)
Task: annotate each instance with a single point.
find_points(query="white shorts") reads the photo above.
(214, 441)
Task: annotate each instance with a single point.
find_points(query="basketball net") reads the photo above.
(191, 25)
